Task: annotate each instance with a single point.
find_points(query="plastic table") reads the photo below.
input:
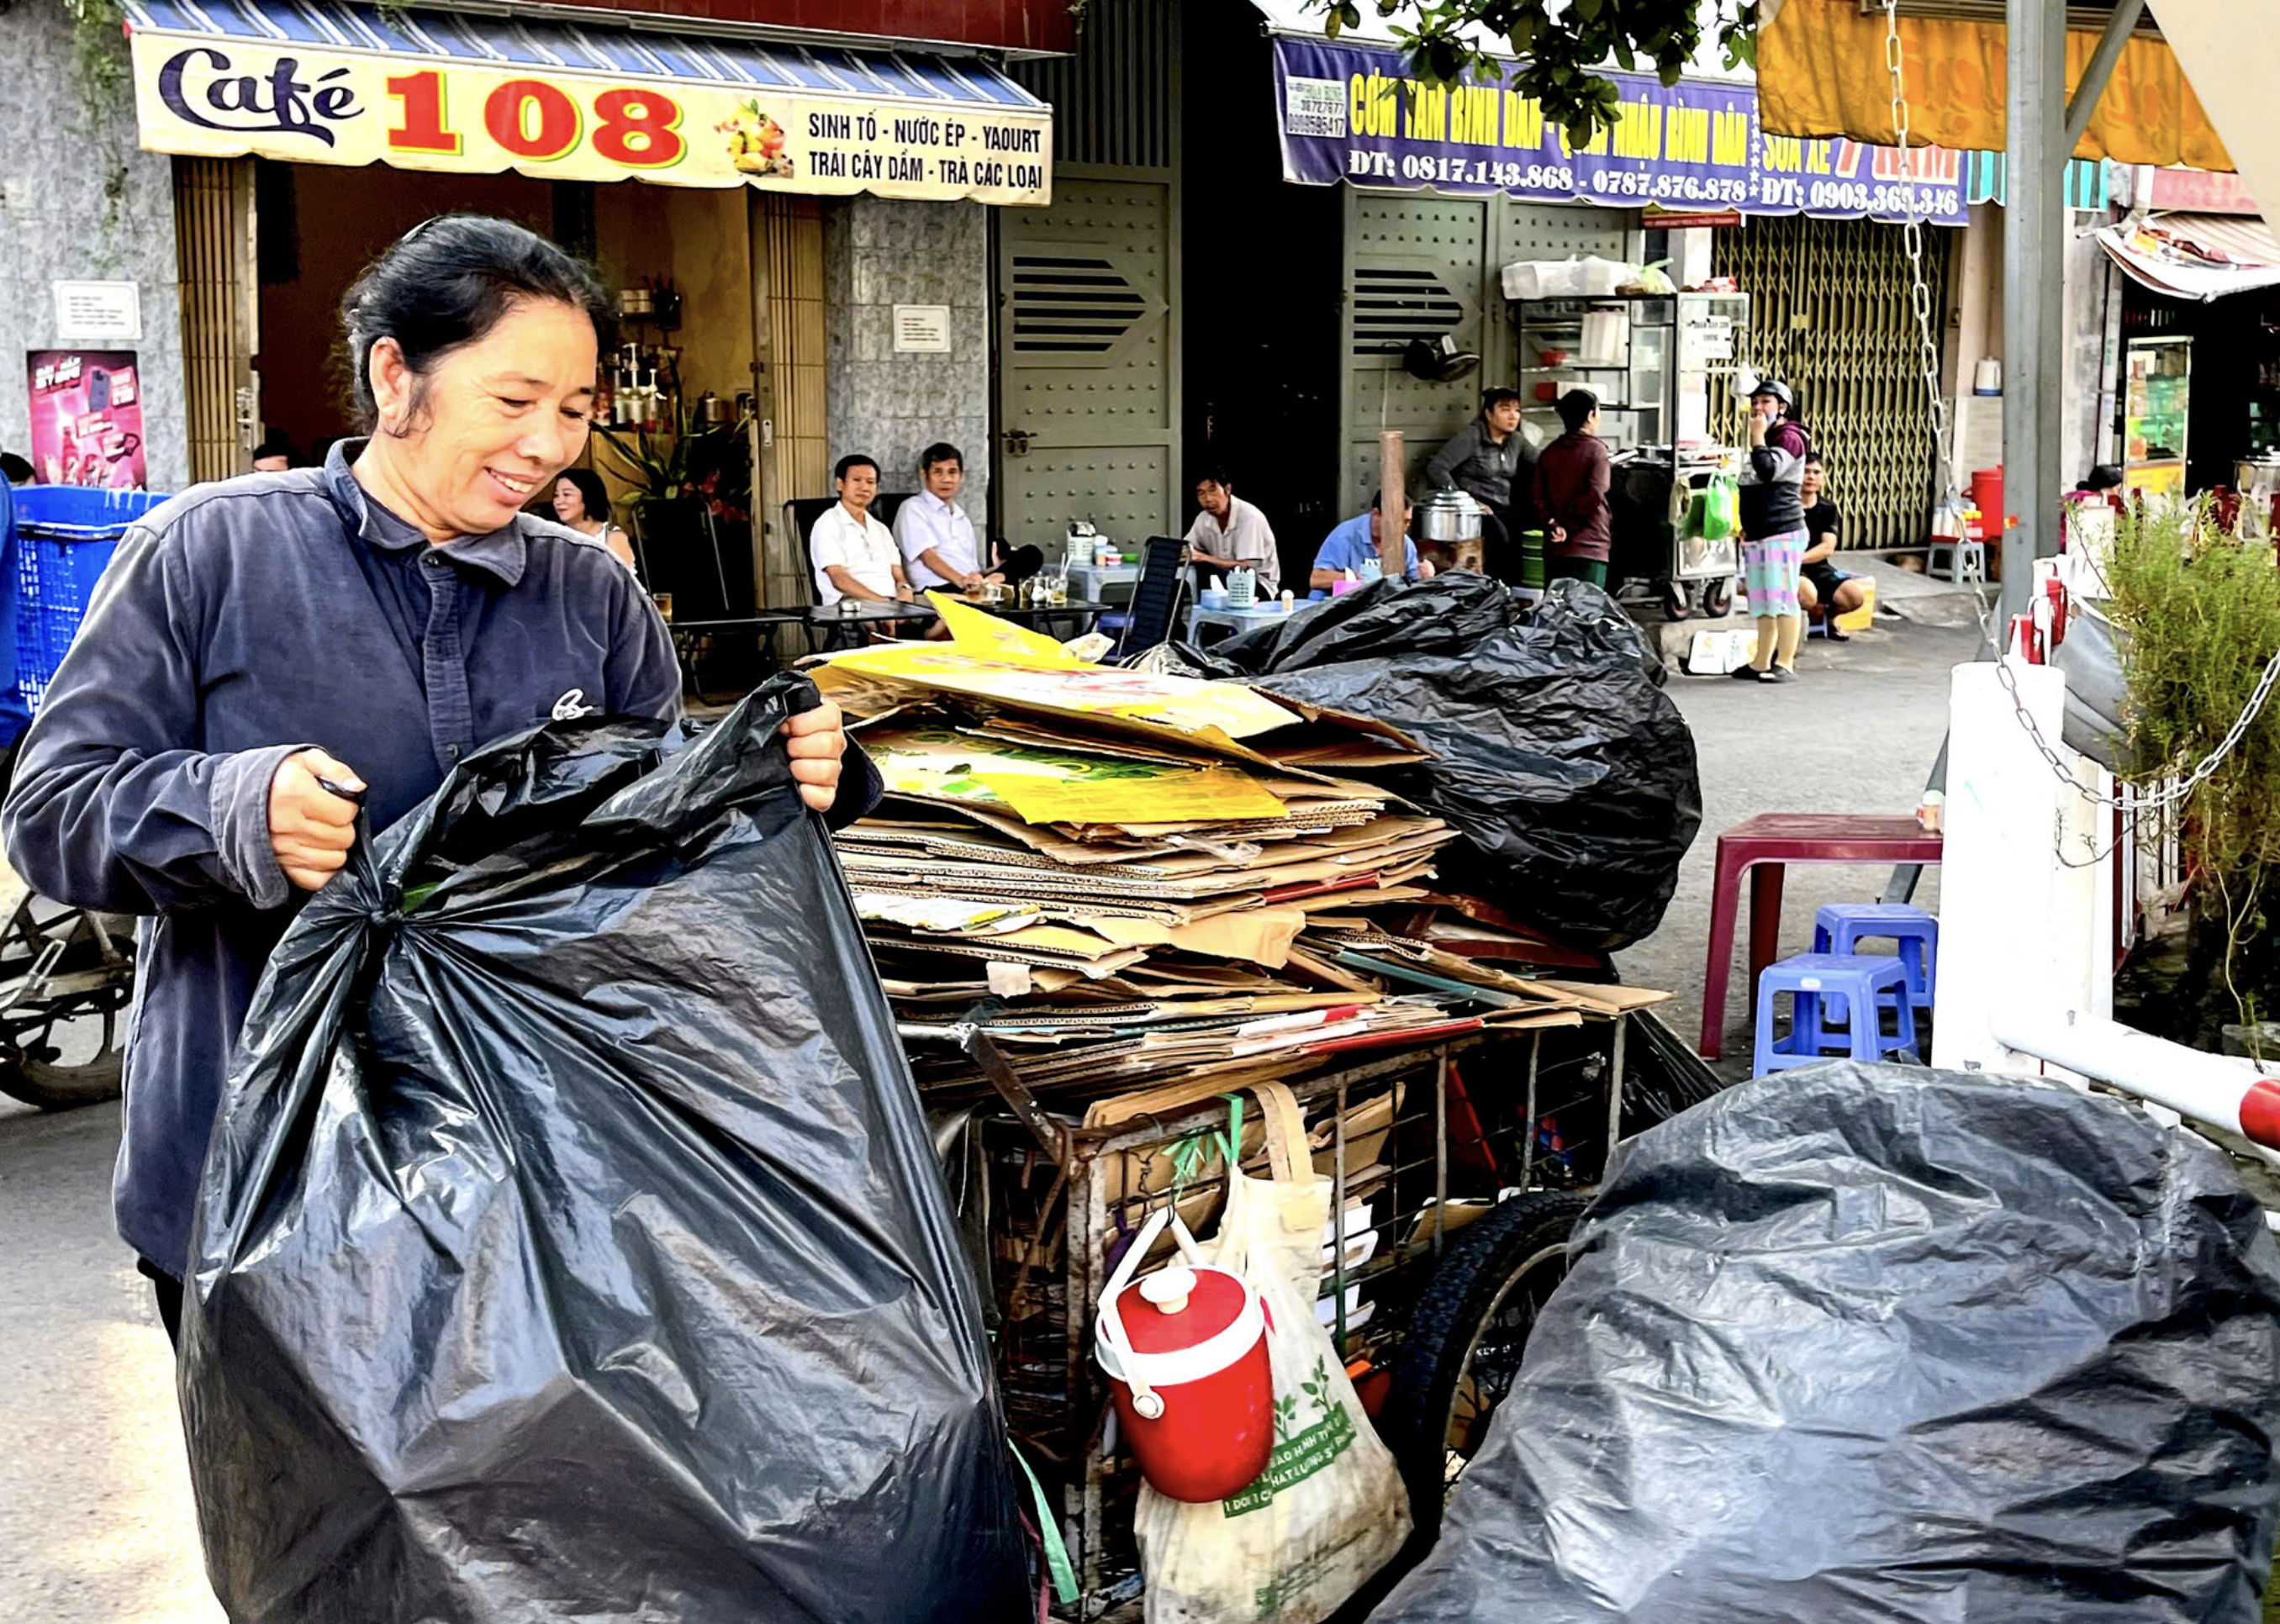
(1234, 620)
(1088, 579)
(1763, 848)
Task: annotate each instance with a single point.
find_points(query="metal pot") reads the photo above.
(713, 412)
(1448, 516)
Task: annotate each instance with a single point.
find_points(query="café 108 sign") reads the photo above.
(224, 99)
(1351, 113)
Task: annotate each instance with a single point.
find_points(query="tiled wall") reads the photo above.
(880, 253)
(78, 200)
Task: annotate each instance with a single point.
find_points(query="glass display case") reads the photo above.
(2156, 400)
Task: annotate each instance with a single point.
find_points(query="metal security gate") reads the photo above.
(1088, 329)
(1089, 383)
(1829, 316)
(1418, 265)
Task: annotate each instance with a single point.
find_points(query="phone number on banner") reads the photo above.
(1860, 197)
(1667, 188)
(1484, 172)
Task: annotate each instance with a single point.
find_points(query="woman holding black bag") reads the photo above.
(268, 654)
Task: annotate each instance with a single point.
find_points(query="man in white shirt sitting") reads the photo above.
(1229, 532)
(853, 553)
(935, 537)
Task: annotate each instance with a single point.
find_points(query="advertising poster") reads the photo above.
(832, 133)
(1351, 112)
(87, 419)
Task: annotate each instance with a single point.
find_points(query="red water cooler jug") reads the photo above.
(1987, 496)
(1185, 1352)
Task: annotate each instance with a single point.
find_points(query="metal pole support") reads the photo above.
(2034, 290)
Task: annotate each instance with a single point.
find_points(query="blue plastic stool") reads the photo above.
(1841, 927)
(1858, 987)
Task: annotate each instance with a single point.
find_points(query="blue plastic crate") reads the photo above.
(65, 536)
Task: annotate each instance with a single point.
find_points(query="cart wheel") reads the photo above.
(1717, 598)
(1467, 1339)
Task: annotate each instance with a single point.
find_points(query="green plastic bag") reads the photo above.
(1722, 509)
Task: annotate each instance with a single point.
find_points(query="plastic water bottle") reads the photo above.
(1242, 588)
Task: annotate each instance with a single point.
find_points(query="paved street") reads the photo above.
(1858, 733)
(96, 1524)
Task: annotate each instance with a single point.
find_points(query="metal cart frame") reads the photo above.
(1081, 1218)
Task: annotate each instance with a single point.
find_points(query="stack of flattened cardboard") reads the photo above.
(1138, 876)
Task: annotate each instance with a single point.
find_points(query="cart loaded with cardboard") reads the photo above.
(1264, 1022)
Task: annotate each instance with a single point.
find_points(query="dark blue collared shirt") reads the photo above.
(236, 624)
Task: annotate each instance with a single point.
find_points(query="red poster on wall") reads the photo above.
(87, 419)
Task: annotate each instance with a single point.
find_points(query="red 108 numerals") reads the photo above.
(535, 120)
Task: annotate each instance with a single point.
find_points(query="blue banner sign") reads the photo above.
(1354, 113)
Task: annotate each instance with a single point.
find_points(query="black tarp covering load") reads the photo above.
(1569, 773)
(1872, 1343)
(571, 1246)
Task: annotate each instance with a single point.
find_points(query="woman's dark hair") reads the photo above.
(590, 490)
(1576, 408)
(447, 283)
(2106, 476)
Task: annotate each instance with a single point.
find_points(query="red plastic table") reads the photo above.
(1763, 848)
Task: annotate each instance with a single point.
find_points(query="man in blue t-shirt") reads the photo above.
(1359, 543)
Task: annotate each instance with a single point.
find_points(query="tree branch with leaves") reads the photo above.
(1563, 50)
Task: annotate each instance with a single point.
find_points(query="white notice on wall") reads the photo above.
(88, 311)
(922, 328)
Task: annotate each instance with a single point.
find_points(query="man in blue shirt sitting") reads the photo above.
(1362, 542)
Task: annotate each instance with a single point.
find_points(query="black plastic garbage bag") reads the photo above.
(1445, 615)
(1871, 1342)
(571, 1246)
(1569, 773)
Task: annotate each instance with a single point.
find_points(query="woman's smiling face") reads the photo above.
(491, 421)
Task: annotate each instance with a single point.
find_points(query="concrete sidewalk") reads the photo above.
(1857, 734)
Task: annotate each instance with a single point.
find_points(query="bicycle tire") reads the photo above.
(1485, 1262)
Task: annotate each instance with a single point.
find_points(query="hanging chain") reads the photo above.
(2129, 799)
(1911, 237)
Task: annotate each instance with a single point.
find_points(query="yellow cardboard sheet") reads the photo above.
(1061, 786)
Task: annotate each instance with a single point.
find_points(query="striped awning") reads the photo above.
(2200, 257)
(418, 87)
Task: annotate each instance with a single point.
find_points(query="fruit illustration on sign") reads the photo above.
(756, 141)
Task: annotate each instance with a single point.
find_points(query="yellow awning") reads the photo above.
(1821, 72)
(317, 82)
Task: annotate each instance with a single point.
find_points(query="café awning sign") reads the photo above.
(312, 82)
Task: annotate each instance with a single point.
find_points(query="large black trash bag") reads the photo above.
(1445, 615)
(1569, 773)
(1871, 1342)
(571, 1246)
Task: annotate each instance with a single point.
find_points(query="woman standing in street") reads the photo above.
(582, 503)
(266, 652)
(1772, 533)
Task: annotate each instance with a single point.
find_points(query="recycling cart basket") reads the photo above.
(1418, 1143)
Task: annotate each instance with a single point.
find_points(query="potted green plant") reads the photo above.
(2197, 610)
